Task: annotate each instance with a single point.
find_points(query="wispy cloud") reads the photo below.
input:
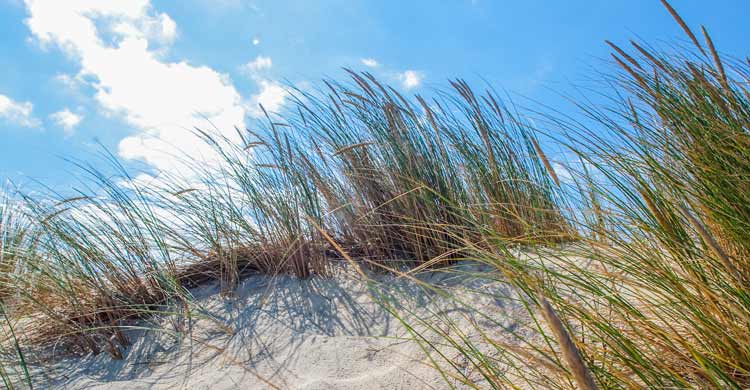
(70, 82)
(17, 113)
(66, 119)
(370, 62)
(256, 41)
(259, 63)
(411, 78)
(272, 96)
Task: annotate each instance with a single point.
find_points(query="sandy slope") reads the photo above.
(322, 333)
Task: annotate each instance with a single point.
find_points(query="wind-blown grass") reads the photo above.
(657, 296)
(16, 240)
(387, 182)
(102, 260)
(649, 290)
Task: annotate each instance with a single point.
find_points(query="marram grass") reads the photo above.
(657, 296)
(642, 272)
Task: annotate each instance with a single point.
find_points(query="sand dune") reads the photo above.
(285, 333)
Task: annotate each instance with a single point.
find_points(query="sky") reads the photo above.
(134, 76)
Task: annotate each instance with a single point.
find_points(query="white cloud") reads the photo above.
(66, 119)
(17, 113)
(411, 78)
(259, 63)
(160, 28)
(167, 28)
(163, 100)
(371, 62)
(271, 95)
(256, 41)
(67, 80)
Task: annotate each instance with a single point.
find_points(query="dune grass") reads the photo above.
(16, 240)
(355, 166)
(656, 295)
(636, 266)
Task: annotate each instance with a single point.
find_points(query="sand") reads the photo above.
(286, 333)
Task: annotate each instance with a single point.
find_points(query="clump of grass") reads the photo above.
(101, 263)
(682, 217)
(658, 298)
(389, 179)
(405, 173)
(249, 213)
(14, 370)
(17, 239)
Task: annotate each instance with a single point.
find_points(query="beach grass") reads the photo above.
(655, 296)
(632, 265)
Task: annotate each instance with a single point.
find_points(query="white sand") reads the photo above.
(321, 333)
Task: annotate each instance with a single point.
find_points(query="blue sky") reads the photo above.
(134, 75)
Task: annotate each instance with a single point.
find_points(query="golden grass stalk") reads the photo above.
(632, 72)
(337, 247)
(712, 244)
(623, 54)
(717, 60)
(570, 352)
(658, 215)
(545, 161)
(682, 24)
(657, 63)
(351, 147)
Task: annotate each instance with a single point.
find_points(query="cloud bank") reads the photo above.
(118, 45)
